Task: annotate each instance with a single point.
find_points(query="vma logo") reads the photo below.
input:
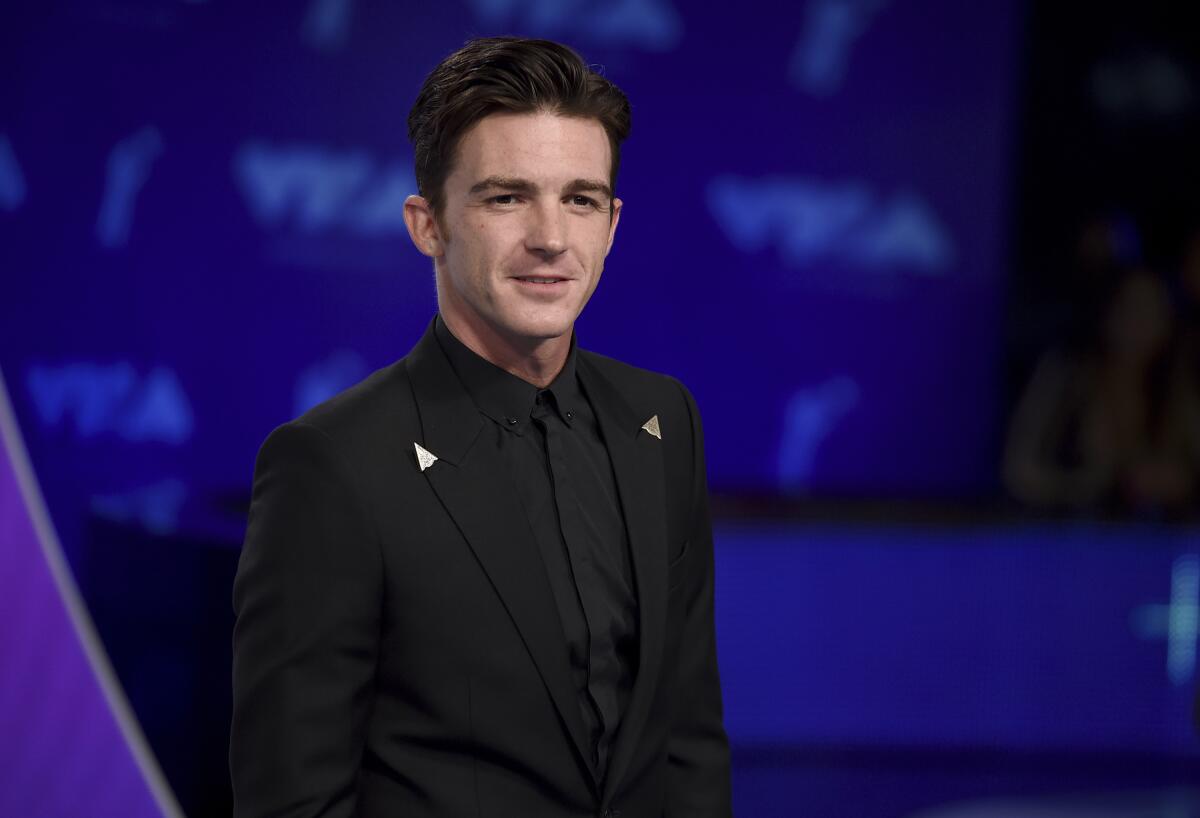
(809, 222)
(128, 169)
(326, 25)
(1177, 621)
(822, 54)
(114, 399)
(155, 507)
(313, 190)
(809, 419)
(12, 182)
(652, 25)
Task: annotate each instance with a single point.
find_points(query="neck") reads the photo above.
(534, 360)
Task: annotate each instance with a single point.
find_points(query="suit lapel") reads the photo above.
(637, 459)
(475, 487)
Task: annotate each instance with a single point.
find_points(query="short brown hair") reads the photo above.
(506, 75)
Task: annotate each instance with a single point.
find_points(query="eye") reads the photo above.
(579, 200)
(504, 199)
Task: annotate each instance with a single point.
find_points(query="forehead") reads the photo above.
(538, 146)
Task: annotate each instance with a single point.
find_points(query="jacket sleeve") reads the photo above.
(307, 601)
(698, 750)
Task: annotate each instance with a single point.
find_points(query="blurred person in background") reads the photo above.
(1111, 426)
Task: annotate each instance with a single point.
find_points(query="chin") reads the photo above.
(545, 332)
(542, 328)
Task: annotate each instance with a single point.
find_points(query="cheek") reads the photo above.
(495, 244)
(470, 251)
(590, 239)
(599, 249)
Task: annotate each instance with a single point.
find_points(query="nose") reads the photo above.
(546, 233)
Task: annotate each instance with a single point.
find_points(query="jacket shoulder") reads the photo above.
(635, 381)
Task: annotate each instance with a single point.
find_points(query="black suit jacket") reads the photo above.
(397, 648)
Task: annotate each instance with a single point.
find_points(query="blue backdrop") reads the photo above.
(203, 231)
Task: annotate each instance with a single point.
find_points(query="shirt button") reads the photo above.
(570, 415)
(511, 421)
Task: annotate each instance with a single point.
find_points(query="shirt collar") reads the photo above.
(499, 394)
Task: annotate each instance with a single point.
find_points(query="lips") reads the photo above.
(541, 279)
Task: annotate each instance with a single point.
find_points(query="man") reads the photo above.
(480, 582)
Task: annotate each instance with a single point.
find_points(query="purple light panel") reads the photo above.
(70, 745)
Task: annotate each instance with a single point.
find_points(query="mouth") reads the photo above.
(541, 280)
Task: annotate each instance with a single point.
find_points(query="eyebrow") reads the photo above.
(592, 185)
(526, 186)
(501, 183)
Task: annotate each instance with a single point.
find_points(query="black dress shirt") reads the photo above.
(560, 466)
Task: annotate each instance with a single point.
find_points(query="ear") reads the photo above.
(612, 227)
(422, 226)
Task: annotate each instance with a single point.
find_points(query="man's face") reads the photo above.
(528, 219)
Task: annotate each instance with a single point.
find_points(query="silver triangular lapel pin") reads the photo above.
(651, 426)
(425, 458)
